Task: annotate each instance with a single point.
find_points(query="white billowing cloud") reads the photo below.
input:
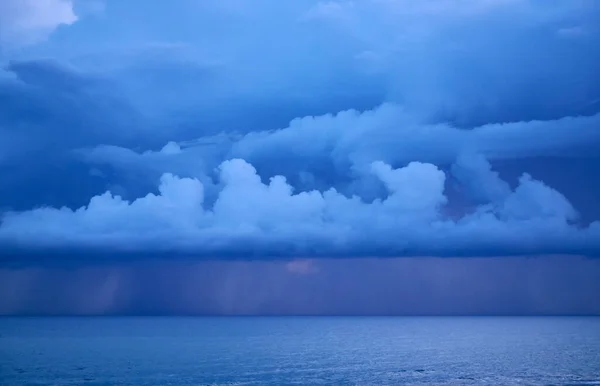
(347, 143)
(533, 199)
(388, 133)
(478, 179)
(452, 72)
(253, 218)
(417, 189)
(29, 21)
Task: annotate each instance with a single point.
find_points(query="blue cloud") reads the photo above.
(47, 109)
(250, 218)
(365, 128)
(27, 22)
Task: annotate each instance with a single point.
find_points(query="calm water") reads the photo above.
(299, 350)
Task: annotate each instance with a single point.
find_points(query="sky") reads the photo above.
(309, 157)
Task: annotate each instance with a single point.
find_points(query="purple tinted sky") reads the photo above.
(545, 285)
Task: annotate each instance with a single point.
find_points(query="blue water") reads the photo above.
(299, 350)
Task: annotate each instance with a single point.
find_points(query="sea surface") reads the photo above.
(300, 351)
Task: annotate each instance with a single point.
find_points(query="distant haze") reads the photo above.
(412, 286)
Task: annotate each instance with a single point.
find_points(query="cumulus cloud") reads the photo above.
(334, 149)
(268, 219)
(399, 113)
(389, 133)
(30, 21)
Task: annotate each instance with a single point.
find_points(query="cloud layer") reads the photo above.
(365, 128)
(255, 219)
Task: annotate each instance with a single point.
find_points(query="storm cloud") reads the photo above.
(315, 129)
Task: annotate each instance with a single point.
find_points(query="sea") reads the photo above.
(300, 351)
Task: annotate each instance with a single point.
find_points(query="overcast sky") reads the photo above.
(332, 157)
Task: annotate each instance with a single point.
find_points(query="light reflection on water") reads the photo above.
(300, 350)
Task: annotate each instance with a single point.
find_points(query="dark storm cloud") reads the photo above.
(46, 110)
(399, 114)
